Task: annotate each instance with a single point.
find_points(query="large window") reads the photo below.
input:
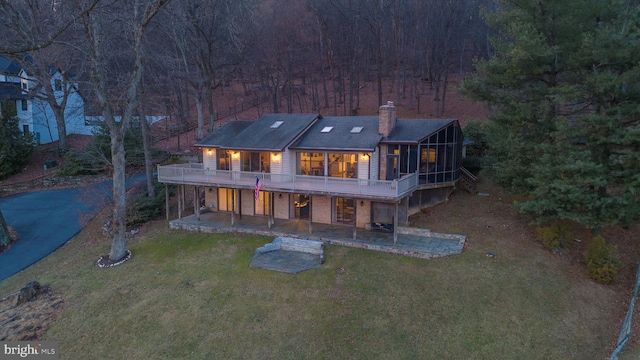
(343, 165)
(255, 161)
(301, 206)
(262, 204)
(344, 211)
(224, 160)
(225, 199)
(310, 164)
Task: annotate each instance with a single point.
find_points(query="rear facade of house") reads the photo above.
(357, 171)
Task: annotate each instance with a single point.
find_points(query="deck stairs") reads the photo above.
(468, 181)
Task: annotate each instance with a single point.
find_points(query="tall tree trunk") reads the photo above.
(200, 110)
(62, 128)
(146, 145)
(118, 249)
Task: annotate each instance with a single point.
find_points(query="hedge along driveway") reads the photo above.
(47, 219)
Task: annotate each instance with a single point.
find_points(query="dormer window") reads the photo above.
(326, 129)
(276, 124)
(356, 129)
(58, 85)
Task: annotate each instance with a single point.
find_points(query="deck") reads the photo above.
(194, 174)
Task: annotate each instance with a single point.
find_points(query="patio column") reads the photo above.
(239, 196)
(310, 214)
(395, 226)
(166, 199)
(355, 218)
(184, 198)
(196, 201)
(180, 201)
(233, 206)
(269, 221)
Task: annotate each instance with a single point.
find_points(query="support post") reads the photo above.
(239, 197)
(269, 209)
(196, 201)
(180, 201)
(166, 199)
(395, 226)
(310, 214)
(233, 206)
(355, 218)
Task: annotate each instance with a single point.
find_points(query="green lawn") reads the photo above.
(194, 296)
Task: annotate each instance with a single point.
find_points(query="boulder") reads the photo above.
(28, 293)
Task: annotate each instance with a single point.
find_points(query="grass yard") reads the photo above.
(194, 296)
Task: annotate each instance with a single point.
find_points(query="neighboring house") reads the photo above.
(35, 114)
(14, 91)
(350, 170)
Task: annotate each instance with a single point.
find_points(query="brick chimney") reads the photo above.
(386, 119)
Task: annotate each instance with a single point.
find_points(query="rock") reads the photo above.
(28, 293)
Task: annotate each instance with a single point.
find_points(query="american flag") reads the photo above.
(258, 187)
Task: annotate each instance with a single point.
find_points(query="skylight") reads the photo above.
(276, 124)
(326, 129)
(356, 129)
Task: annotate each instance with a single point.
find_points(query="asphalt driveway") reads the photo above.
(46, 220)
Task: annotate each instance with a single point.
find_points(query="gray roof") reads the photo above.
(340, 136)
(9, 67)
(260, 134)
(225, 132)
(412, 131)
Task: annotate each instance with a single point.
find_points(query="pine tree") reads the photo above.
(564, 86)
(15, 147)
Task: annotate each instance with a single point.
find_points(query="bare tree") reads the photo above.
(208, 42)
(51, 62)
(102, 27)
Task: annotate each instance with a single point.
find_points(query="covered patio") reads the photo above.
(413, 242)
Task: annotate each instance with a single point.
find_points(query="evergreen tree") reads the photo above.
(564, 84)
(15, 147)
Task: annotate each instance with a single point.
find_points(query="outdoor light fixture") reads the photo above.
(279, 196)
(275, 157)
(361, 203)
(365, 156)
(209, 151)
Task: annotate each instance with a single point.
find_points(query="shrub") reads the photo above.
(144, 208)
(81, 163)
(472, 163)
(556, 236)
(601, 262)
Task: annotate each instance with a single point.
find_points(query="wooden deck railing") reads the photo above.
(194, 174)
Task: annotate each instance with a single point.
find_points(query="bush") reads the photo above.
(81, 163)
(96, 157)
(602, 264)
(557, 235)
(476, 131)
(144, 208)
(472, 163)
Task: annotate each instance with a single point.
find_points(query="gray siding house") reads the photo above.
(357, 171)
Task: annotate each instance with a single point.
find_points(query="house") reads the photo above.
(349, 170)
(14, 91)
(19, 91)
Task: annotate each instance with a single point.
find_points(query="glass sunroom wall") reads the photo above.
(440, 156)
